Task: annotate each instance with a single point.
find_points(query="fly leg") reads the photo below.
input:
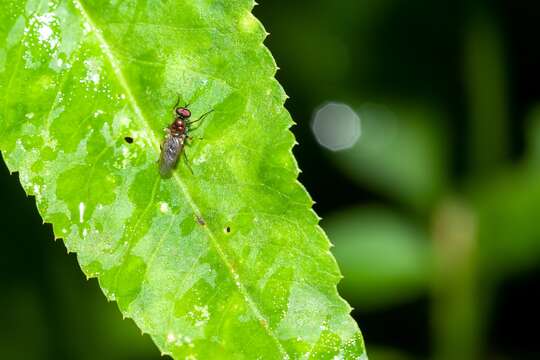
(190, 139)
(177, 102)
(161, 151)
(187, 162)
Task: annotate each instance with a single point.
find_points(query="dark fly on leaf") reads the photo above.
(175, 140)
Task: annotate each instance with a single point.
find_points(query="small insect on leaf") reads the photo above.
(175, 140)
(200, 220)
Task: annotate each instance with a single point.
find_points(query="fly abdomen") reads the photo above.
(170, 152)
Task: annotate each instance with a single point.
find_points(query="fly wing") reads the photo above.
(170, 152)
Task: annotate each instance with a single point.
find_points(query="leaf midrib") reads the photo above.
(144, 123)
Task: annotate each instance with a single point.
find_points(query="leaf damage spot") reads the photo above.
(93, 72)
(127, 156)
(227, 230)
(44, 29)
(123, 120)
(129, 139)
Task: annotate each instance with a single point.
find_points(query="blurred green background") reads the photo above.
(419, 131)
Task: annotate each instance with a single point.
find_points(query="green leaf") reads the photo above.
(228, 262)
(385, 259)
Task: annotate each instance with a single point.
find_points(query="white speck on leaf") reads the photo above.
(171, 337)
(164, 207)
(201, 315)
(45, 33)
(81, 212)
(44, 29)
(93, 68)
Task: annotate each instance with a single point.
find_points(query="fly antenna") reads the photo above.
(177, 102)
(201, 117)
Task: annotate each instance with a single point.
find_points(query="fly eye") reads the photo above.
(183, 113)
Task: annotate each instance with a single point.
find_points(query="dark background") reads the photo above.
(461, 80)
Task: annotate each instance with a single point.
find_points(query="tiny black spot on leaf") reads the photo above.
(227, 229)
(128, 139)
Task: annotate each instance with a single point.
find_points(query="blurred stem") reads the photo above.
(486, 92)
(457, 316)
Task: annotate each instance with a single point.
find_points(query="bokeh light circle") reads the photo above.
(336, 126)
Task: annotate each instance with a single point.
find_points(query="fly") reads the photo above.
(175, 140)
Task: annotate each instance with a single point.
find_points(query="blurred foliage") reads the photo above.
(384, 258)
(401, 152)
(508, 208)
(533, 137)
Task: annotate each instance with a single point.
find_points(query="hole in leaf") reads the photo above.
(227, 230)
(129, 139)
